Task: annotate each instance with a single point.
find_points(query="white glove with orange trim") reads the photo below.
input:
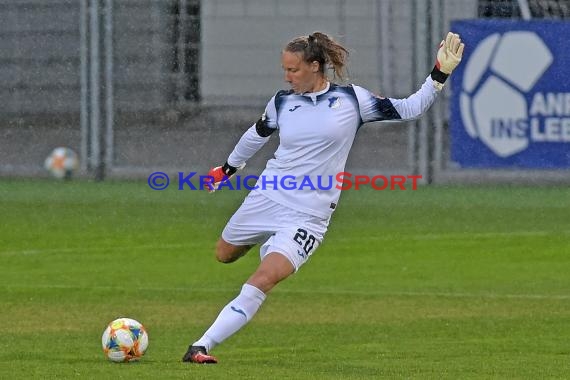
(448, 57)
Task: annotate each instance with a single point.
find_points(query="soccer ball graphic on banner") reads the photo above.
(62, 163)
(501, 71)
(124, 340)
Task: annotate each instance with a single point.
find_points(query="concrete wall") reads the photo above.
(40, 56)
(240, 70)
(242, 41)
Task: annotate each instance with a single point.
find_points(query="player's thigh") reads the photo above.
(252, 223)
(298, 241)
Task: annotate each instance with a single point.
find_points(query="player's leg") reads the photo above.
(274, 268)
(282, 254)
(228, 253)
(248, 226)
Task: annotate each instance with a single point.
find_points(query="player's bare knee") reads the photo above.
(228, 253)
(225, 258)
(222, 251)
(223, 255)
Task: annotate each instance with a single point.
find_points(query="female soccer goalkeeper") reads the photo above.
(317, 121)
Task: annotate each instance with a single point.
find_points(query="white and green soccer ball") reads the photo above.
(62, 163)
(124, 340)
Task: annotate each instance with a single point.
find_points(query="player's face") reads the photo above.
(302, 76)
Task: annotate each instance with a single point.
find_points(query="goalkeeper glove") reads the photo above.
(219, 174)
(448, 57)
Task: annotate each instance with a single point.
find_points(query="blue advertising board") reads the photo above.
(511, 95)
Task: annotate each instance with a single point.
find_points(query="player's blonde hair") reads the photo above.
(320, 47)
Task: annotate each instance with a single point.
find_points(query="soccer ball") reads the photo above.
(62, 163)
(124, 340)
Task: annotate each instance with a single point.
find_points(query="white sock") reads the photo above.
(232, 317)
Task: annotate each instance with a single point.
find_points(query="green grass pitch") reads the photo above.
(438, 283)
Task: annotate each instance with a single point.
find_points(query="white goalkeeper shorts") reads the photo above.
(278, 228)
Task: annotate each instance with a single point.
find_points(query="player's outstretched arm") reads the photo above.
(376, 108)
(250, 143)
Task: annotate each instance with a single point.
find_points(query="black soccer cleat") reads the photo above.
(199, 355)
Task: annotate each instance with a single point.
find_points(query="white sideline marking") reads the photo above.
(316, 291)
(427, 236)
(466, 235)
(93, 249)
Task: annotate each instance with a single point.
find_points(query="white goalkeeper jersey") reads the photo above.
(316, 132)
